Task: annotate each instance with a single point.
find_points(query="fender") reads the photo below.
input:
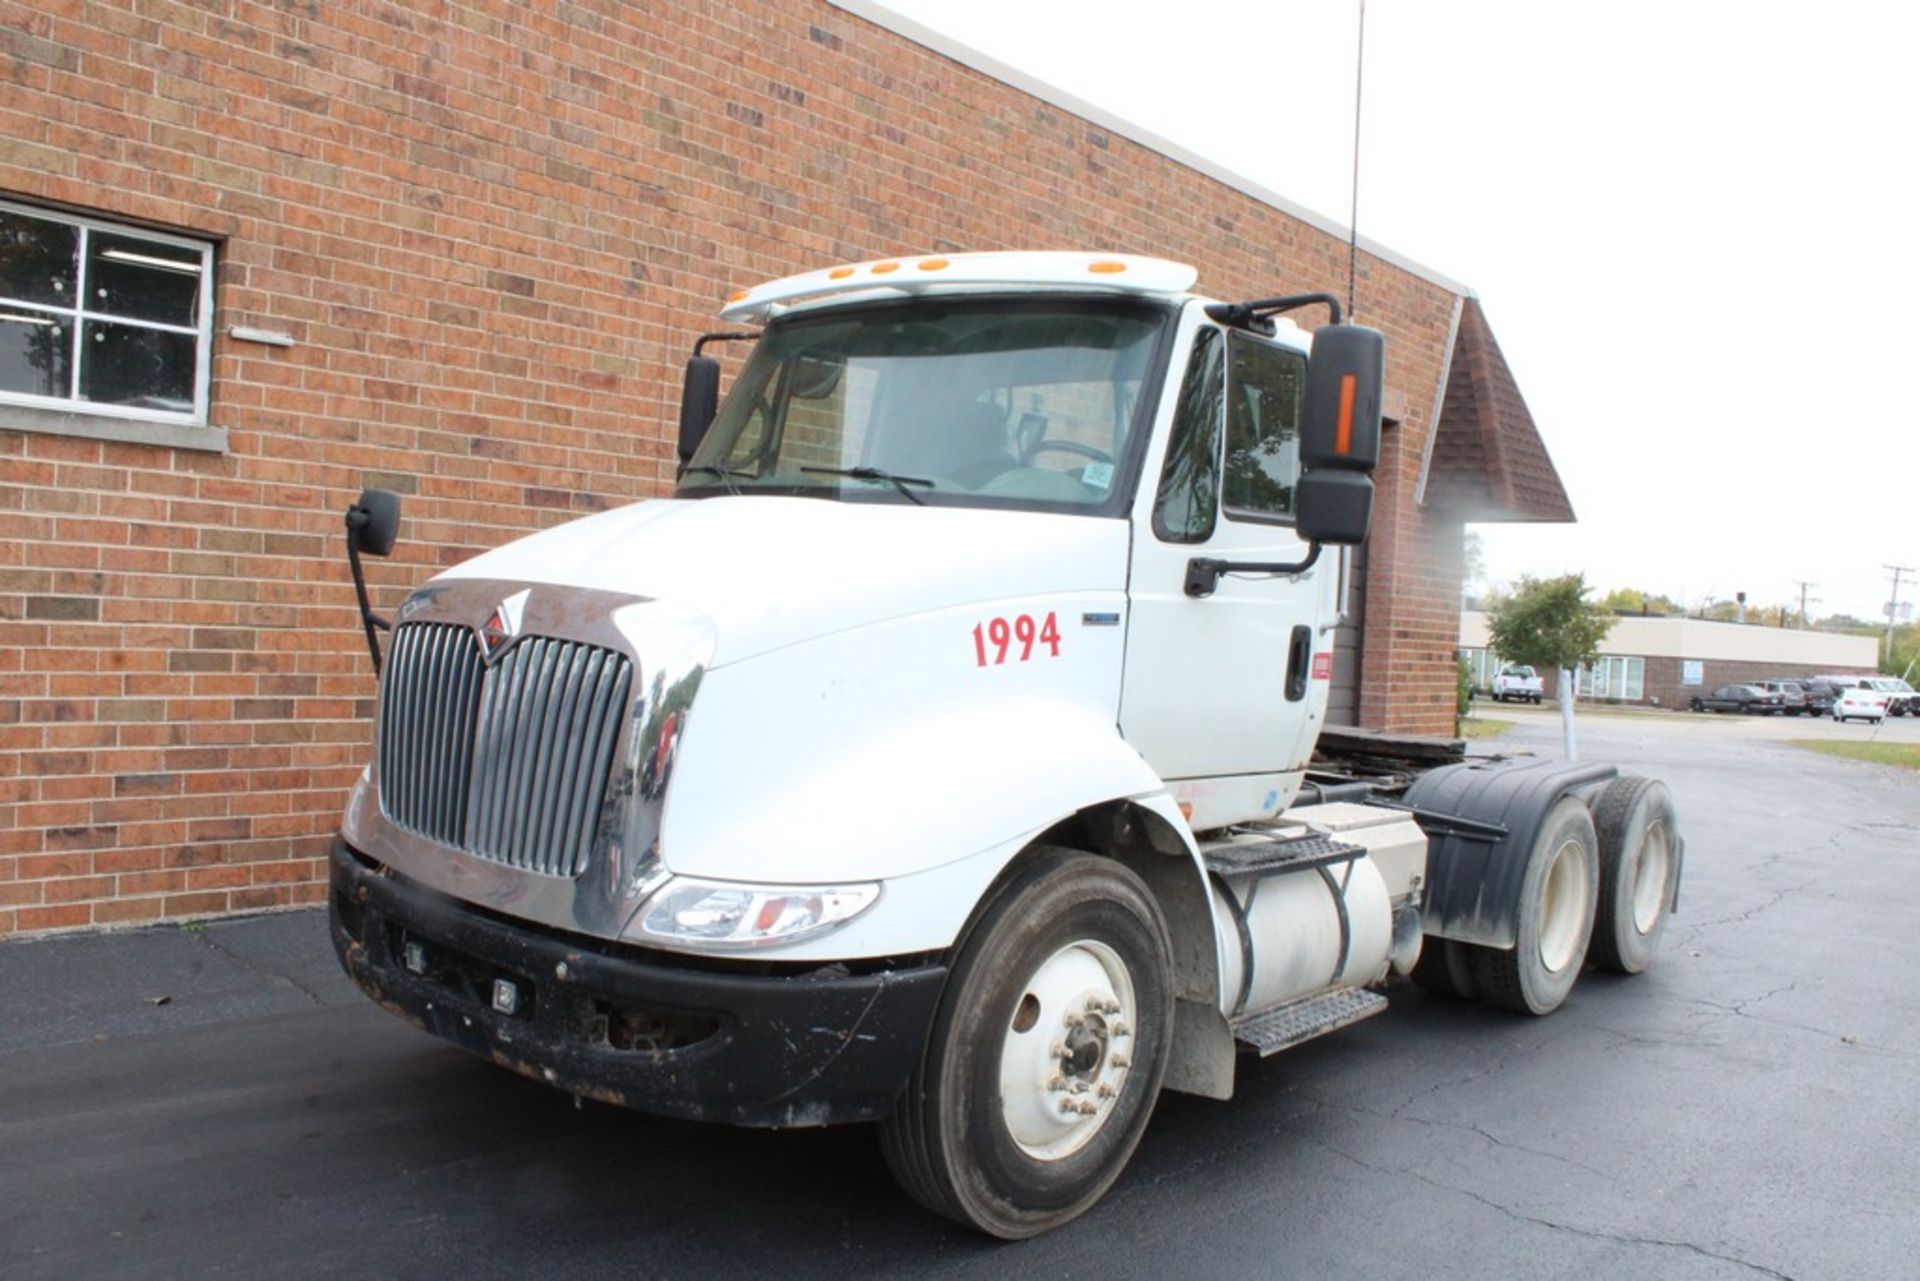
(855, 758)
(1480, 819)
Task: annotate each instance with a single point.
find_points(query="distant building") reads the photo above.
(1663, 661)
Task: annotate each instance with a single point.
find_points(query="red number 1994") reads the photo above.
(1000, 636)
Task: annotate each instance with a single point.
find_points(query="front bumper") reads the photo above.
(625, 1025)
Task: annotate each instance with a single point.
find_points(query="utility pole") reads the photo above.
(1893, 602)
(1803, 600)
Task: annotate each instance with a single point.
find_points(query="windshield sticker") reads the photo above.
(1097, 476)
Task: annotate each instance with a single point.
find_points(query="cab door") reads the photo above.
(1221, 695)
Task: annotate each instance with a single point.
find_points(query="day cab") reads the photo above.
(927, 757)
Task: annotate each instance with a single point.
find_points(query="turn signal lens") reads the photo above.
(1106, 267)
(882, 268)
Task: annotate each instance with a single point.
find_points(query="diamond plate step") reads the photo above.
(1270, 858)
(1271, 1031)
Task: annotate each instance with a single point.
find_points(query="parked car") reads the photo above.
(1748, 699)
(1902, 700)
(1861, 703)
(1821, 694)
(1517, 681)
(1793, 695)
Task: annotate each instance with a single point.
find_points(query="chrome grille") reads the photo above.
(509, 763)
(548, 717)
(427, 710)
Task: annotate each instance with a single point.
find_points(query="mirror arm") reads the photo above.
(704, 339)
(356, 519)
(1203, 572)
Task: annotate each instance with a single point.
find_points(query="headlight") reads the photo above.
(721, 917)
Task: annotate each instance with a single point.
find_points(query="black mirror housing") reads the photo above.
(1334, 507)
(699, 401)
(1340, 418)
(373, 523)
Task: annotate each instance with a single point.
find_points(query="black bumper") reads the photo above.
(629, 1026)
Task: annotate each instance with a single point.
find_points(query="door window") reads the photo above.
(1265, 384)
(1183, 510)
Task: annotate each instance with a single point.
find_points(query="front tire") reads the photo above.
(1554, 920)
(1638, 832)
(1046, 1054)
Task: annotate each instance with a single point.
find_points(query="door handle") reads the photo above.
(1299, 657)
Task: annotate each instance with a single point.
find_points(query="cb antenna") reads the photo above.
(1353, 220)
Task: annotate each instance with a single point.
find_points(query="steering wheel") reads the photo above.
(1070, 447)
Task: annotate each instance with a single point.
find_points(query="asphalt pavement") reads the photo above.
(217, 1101)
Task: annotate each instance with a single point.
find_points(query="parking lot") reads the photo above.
(217, 1101)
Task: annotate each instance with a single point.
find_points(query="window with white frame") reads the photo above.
(1614, 676)
(102, 319)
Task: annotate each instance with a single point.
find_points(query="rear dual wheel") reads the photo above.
(1554, 919)
(1639, 872)
(1046, 1054)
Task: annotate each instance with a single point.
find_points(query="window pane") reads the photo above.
(140, 368)
(143, 279)
(37, 259)
(1190, 482)
(1264, 385)
(1004, 403)
(36, 352)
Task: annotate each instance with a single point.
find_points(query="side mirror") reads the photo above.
(1334, 507)
(1340, 418)
(699, 401)
(373, 523)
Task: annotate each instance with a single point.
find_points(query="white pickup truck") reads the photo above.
(1517, 683)
(937, 755)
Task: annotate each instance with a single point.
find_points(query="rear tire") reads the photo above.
(1638, 832)
(1061, 996)
(1554, 919)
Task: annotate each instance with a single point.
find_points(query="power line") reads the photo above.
(1893, 602)
(1804, 598)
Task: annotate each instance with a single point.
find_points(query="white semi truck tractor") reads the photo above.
(938, 755)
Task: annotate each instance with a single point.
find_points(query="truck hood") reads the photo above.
(772, 571)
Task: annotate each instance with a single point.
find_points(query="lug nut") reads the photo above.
(1118, 1028)
(1121, 1061)
(1079, 1087)
(1105, 1091)
(1056, 1083)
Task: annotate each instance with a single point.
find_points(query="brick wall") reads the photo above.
(493, 232)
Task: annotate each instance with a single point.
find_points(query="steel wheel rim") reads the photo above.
(1650, 878)
(1067, 1051)
(1563, 903)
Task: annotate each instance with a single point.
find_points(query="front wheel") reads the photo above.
(1046, 1054)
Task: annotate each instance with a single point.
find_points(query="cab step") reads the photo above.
(1271, 858)
(1271, 1031)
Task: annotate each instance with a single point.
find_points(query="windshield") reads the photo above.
(988, 403)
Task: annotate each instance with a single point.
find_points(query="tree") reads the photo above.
(1548, 622)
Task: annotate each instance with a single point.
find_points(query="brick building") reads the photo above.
(254, 257)
(1665, 661)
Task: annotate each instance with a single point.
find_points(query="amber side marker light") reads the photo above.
(738, 294)
(882, 268)
(1343, 429)
(1106, 267)
(934, 264)
(839, 273)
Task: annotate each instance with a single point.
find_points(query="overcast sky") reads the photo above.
(1692, 226)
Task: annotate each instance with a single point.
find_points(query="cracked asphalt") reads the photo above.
(218, 1102)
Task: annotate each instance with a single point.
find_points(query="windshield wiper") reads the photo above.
(875, 475)
(726, 474)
